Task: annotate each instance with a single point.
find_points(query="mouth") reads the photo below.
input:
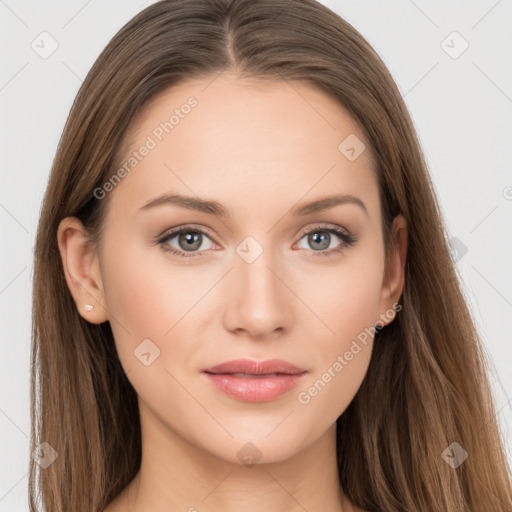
(251, 376)
(253, 381)
(249, 367)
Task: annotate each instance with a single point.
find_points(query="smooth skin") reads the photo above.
(261, 150)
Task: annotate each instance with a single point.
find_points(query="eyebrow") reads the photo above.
(216, 208)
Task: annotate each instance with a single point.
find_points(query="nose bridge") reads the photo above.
(253, 272)
(257, 299)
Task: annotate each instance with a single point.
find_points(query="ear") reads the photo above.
(394, 277)
(81, 269)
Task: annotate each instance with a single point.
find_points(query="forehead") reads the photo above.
(226, 104)
(263, 140)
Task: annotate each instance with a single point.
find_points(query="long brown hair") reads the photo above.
(427, 385)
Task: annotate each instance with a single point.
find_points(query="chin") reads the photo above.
(251, 450)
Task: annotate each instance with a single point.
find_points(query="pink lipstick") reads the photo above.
(254, 381)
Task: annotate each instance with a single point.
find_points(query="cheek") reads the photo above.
(346, 308)
(136, 296)
(150, 297)
(346, 300)
(141, 296)
(143, 290)
(345, 296)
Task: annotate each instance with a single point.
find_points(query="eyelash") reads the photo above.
(347, 240)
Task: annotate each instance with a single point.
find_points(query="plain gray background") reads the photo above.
(460, 101)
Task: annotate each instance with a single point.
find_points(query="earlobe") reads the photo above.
(81, 269)
(394, 280)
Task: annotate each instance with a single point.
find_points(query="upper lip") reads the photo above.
(255, 367)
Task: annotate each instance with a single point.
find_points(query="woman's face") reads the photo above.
(267, 279)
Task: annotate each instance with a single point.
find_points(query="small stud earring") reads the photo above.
(88, 307)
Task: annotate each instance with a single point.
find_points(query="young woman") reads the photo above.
(243, 293)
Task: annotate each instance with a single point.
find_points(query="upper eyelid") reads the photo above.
(168, 233)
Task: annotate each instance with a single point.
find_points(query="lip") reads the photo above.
(258, 387)
(255, 367)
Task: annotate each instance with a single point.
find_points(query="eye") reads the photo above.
(321, 239)
(189, 240)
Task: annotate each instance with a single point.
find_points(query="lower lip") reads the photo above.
(254, 389)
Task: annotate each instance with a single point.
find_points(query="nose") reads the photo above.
(258, 298)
